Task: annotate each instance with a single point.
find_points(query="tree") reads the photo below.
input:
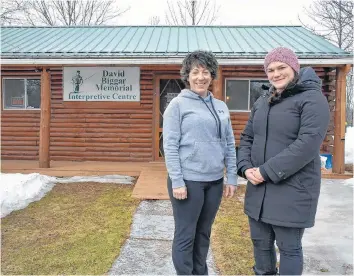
(155, 20)
(191, 12)
(334, 19)
(10, 13)
(350, 99)
(67, 13)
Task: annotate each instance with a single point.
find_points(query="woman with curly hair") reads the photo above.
(198, 143)
(279, 155)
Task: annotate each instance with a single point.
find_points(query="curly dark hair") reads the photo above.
(205, 59)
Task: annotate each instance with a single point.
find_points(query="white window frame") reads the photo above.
(17, 78)
(249, 92)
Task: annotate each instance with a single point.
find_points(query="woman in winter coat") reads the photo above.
(198, 143)
(279, 155)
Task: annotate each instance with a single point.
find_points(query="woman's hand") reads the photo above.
(229, 190)
(258, 175)
(253, 176)
(180, 193)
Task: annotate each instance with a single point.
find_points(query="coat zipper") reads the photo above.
(266, 136)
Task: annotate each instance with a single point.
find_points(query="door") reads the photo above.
(166, 88)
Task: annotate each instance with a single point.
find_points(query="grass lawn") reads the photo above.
(75, 229)
(231, 243)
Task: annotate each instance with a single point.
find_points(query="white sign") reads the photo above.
(121, 84)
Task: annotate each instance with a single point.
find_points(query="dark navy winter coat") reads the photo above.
(284, 140)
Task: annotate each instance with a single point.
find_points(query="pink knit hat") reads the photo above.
(282, 54)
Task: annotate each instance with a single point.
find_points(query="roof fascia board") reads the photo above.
(160, 61)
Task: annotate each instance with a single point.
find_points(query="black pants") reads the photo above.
(288, 241)
(194, 217)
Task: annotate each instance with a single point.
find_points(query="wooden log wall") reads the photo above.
(104, 131)
(101, 131)
(19, 128)
(112, 132)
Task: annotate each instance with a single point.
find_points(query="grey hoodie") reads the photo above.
(198, 143)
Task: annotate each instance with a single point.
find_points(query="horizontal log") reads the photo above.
(102, 159)
(99, 135)
(69, 139)
(111, 146)
(19, 153)
(131, 121)
(19, 143)
(19, 148)
(23, 130)
(102, 150)
(20, 124)
(140, 116)
(99, 130)
(146, 103)
(100, 116)
(147, 145)
(146, 106)
(147, 87)
(239, 118)
(16, 157)
(132, 141)
(238, 127)
(5, 68)
(18, 133)
(67, 119)
(63, 110)
(21, 138)
(19, 119)
(20, 113)
(78, 153)
(23, 112)
(58, 122)
(140, 154)
(94, 105)
(141, 149)
(20, 74)
(56, 97)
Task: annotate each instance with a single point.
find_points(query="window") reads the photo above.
(241, 94)
(21, 93)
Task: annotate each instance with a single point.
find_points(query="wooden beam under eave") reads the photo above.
(339, 120)
(44, 134)
(217, 85)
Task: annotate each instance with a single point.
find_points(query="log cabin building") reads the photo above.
(98, 93)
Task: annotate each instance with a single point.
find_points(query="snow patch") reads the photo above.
(17, 190)
(349, 145)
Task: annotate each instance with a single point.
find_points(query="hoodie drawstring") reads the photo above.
(216, 116)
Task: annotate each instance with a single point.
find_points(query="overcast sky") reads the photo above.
(231, 12)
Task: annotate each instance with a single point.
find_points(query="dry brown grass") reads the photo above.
(231, 243)
(75, 229)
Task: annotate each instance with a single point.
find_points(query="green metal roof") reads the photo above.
(161, 41)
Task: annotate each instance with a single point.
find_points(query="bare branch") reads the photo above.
(191, 12)
(155, 20)
(336, 20)
(67, 12)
